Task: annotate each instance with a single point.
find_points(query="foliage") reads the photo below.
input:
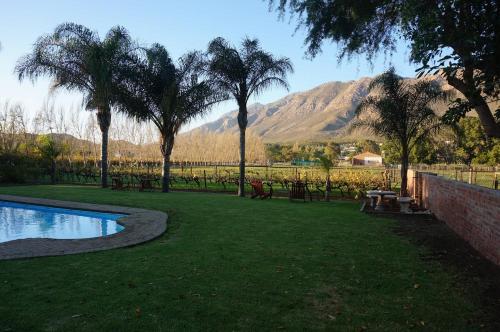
(424, 152)
(367, 145)
(169, 96)
(391, 152)
(48, 148)
(218, 148)
(474, 147)
(19, 168)
(78, 60)
(242, 73)
(356, 183)
(277, 152)
(13, 129)
(455, 38)
(332, 151)
(401, 113)
(326, 164)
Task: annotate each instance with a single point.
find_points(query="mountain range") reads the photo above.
(319, 114)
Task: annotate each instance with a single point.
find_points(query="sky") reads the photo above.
(181, 26)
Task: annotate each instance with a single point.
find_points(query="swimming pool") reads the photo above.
(22, 221)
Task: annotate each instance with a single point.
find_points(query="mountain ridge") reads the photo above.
(318, 114)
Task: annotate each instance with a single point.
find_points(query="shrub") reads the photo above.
(17, 168)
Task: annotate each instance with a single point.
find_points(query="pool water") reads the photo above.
(22, 221)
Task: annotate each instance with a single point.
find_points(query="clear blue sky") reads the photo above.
(180, 26)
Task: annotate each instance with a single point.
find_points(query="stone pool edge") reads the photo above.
(141, 225)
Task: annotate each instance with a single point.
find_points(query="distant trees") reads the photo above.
(332, 152)
(168, 95)
(402, 113)
(463, 143)
(473, 146)
(456, 38)
(220, 148)
(242, 73)
(49, 149)
(77, 59)
(306, 151)
(366, 145)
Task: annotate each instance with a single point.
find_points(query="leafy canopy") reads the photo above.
(168, 94)
(402, 109)
(77, 59)
(246, 71)
(455, 38)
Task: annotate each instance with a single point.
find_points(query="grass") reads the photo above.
(228, 263)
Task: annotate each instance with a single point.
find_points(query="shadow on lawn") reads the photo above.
(478, 277)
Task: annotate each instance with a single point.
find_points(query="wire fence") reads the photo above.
(483, 176)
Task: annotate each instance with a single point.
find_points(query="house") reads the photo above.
(367, 159)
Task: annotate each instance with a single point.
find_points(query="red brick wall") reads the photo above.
(473, 212)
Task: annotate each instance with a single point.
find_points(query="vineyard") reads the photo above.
(346, 182)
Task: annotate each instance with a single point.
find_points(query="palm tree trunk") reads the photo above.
(104, 120)
(241, 180)
(165, 174)
(104, 158)
(167, 144)
(404, 172)
(242, 123)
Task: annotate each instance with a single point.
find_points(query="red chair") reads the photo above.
(258, 190)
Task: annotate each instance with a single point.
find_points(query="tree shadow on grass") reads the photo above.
(477, 276)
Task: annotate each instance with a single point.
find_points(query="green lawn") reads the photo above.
(228, 263)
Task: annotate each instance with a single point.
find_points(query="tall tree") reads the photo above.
(242, 73)
(169, 95)
(78, 60)
(401, 112)
(455, 38)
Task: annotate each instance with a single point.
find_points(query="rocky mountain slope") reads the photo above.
(319, 114)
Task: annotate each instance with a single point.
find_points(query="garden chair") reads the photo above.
(258, 190)
(298, 191)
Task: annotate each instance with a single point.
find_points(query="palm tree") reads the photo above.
(167, 95)
(78, 60)
(242, 73)
(326, 165)
(401, 112)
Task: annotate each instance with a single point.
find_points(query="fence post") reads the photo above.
(205, 178)
(495, 184)
(470, 175)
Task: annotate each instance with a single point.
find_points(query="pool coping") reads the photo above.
(141, 225)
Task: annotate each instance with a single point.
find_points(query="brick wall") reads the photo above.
(473, 212)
